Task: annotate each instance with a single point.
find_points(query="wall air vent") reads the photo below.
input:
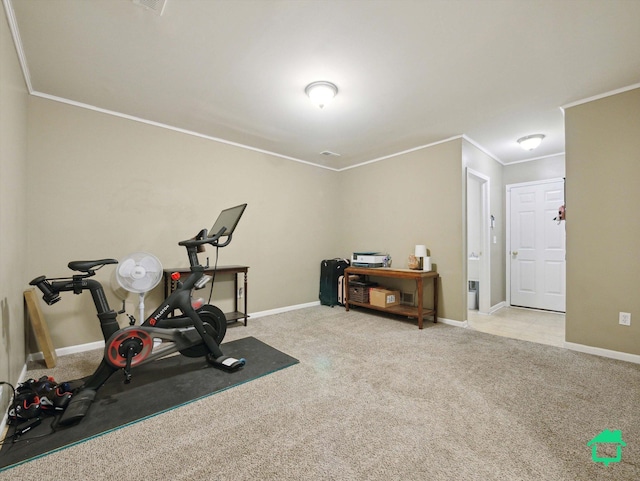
(156, 6)
(328, 153)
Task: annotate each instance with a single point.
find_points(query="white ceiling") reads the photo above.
(409, 72)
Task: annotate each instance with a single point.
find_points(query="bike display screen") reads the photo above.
(228, 219)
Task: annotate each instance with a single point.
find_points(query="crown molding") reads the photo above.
(600, 96)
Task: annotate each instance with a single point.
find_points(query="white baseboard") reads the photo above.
(497, 307)
(63, 351)
(493, 309)
(622, 356)
(23, 374)
(451, 322)
(280, 310)
(598, 351)
(3, 424)
(90, 346)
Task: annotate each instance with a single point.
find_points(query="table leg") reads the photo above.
(435, 299)
(235, 290)
(420, 283)
(246, 296)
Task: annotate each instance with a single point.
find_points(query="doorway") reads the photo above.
(543, 327)
(536, 262)
(478, 247)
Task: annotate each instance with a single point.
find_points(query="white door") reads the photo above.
(537, 246)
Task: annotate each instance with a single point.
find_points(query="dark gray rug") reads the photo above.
(156, 387)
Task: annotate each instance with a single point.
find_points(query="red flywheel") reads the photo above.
(122, 341)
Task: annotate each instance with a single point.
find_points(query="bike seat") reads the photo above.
(86, 266)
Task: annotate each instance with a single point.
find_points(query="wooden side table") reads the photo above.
(410, 311)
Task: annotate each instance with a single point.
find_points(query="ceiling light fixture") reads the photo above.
(530, 142)
(321, 93)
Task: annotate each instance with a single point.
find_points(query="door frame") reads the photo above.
(507, 198)
(484, 266)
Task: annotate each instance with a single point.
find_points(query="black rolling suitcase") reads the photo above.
(330, 271)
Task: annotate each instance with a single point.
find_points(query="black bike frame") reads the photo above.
(106, 315)
(134, 345)
(179, 299)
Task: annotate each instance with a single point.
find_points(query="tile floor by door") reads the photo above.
(518, 323)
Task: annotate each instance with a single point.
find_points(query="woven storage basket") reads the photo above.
(359, 294)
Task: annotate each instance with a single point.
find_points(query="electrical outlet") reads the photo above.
(625, 318)
(240, 292)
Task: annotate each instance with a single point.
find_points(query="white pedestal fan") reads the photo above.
(139, 273)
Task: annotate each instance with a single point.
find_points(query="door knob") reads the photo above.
(515, 253)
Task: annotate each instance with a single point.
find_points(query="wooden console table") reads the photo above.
(170, 286)
(409, 311)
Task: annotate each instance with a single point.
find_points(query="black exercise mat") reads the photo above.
(155, 388)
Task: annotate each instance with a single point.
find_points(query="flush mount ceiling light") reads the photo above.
(321, 93)
(530, 142)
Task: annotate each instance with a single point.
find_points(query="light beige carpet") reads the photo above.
(374, 398)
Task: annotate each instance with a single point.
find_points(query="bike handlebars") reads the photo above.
(51, 293)
(51, 290)
(196, 244)
(49, 296)
(201, 239)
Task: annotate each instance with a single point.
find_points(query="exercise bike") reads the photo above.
(197, 332)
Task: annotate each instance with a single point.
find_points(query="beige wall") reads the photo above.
(103, 186)
(13, 221)
(541, 169)
(603, 230)
(415, 198)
